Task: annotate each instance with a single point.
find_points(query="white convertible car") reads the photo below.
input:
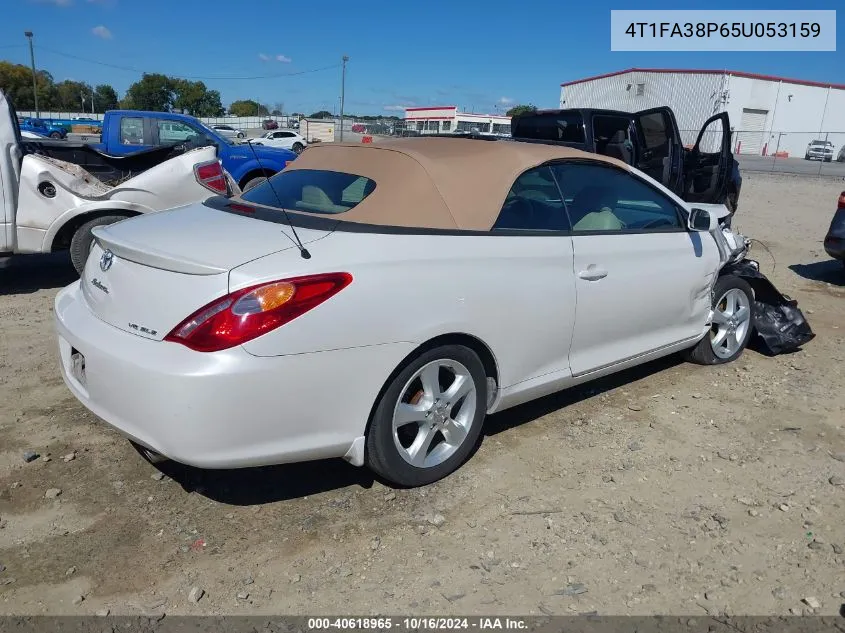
(376, 302)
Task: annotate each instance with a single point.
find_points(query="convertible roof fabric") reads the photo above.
(436, 183)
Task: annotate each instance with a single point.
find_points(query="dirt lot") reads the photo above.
(671, 489)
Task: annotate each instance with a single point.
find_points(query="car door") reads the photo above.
(707, 164)
(642, 279)
(659, 152)
(537, 246)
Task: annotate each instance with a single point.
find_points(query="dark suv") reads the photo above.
(650, 141)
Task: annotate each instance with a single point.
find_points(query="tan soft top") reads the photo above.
(437, 183)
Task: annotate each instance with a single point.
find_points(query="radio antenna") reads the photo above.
(302, 250)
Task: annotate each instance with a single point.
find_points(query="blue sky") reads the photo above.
(482, 56)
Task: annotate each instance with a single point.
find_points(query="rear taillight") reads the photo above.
(248, 313)
(841, 203)
(210, 175)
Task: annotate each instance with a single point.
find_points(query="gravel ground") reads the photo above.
(671, 489)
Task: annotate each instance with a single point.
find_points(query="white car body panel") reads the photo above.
(679, 270)
(222, 430)
(305, 390)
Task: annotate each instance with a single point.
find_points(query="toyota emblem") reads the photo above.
(106, 260)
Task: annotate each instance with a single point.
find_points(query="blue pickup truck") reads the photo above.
(129, 131)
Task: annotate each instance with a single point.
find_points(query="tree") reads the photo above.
(16, 82)
(105, 98)
(322, 114)
(70, 95)
(247, 107)
(521, 109)
(154, 92)
(192, 97)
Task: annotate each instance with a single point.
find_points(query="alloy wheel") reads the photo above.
(434, 413)
(731, 320)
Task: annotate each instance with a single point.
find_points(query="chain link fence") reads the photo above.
(821, 153)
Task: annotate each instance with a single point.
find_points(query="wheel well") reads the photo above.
(255, 174)
(475, 344)
(62, 240)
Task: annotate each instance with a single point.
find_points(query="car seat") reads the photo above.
(592, 210)
(619, 147)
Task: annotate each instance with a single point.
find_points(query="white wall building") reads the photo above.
(768, 114)
(447, 119)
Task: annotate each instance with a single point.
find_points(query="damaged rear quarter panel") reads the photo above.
(77, 192)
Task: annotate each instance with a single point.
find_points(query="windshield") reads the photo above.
(821, 143)
(312, 190)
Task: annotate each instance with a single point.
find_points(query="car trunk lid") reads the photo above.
(146, 274)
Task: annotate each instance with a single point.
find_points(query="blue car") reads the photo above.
(43, 128)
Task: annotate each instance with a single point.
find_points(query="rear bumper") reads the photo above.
(226, 409)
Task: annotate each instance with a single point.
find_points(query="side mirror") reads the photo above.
(701, 220)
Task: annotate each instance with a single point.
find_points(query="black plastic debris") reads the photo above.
(779, 323)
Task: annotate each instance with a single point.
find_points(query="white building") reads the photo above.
(440, 119)
(768, 114)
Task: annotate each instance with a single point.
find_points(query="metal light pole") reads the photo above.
(342, 94)
(32, 62)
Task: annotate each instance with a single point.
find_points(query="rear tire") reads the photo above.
(436, 402)
(732, 327)
(82, 241)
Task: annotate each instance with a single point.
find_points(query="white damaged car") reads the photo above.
(53, 193)
(376, 302)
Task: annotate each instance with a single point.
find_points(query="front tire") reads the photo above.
(83, 241)
(297, 148)
(241, 135)
(429, 418)
(733, 323)
(55, 135)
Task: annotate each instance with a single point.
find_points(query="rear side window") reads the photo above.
(132, 131)
(566, 127)
(312, 190)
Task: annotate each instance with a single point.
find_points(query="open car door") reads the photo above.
(659, 151)
(707, 164)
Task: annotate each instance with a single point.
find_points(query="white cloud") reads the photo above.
(394, 108)
(58, 3)
(263, 57)
(284, 59)
(505, 101)
(102, 32)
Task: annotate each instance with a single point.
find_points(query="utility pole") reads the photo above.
(34, 84)
(342, 94)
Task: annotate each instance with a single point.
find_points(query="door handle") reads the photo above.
(593, 273)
